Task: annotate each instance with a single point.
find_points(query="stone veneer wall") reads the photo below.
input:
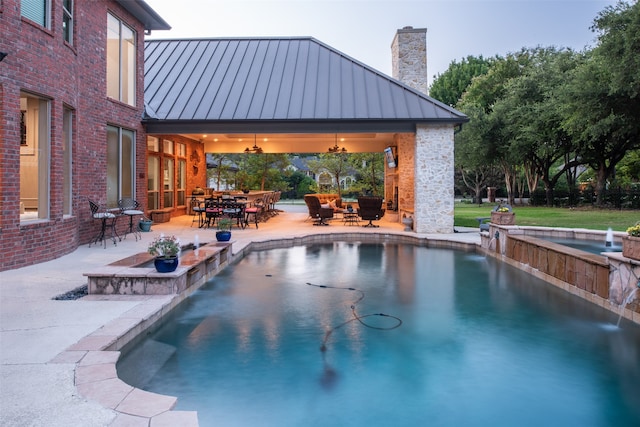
(406, 173)
(434, 179)
(409, 58)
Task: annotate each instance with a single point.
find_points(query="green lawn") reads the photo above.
(591, 218)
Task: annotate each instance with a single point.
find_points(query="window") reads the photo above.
(67, 153)
(36, 11)
(153, 182)
(167, 171)
(67, 20)
(153, 177)
(181, 178)
(120, 164)
(34, 157)
(121, 61)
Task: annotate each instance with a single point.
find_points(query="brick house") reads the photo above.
(71, 100)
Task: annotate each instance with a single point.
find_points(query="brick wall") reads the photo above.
(41, 63)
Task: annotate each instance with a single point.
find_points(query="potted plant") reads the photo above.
(145, 224)
(166, 250)
(224, 230)
(503, 215)
(631, 242)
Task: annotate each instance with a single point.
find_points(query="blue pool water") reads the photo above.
(479, 344)
(591, 246)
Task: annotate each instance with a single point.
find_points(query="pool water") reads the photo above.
(462, 341)
(591, 246)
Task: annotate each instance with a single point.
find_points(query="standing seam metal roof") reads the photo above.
(275, 79)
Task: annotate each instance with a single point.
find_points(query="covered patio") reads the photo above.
(298, 95)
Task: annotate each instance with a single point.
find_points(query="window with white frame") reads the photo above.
(67, 21)
(120, 164)
(121, 61)
(37, 11)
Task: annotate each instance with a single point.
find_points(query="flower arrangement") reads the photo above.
(634, 231)
(164, 246)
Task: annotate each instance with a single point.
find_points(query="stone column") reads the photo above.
(434, 179)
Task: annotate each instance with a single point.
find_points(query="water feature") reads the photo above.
(463, 340)
(626, 301)
(608, 241)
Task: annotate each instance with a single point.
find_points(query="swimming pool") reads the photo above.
(462, 340)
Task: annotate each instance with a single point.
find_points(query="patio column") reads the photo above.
(434, 179)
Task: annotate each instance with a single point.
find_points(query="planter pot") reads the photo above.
(503, 218)
(631, 247)
(145, 225)
(223, 236)
(166, 265)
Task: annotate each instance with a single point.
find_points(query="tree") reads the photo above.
(369, 169)
(602, 100)
(530, 120)
(482, 146)
(449, 86)
(473, 163)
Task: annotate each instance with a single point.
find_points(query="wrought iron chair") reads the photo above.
(130, 207)
(107, 222)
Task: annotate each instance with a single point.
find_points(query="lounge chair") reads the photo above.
(316, 211)
(370, 209)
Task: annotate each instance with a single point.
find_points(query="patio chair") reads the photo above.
(212, 211)
(107, 222)
(255, 210)
(233, 210)
(370, 209)
(130, 208)
(316, 211)
(197, 211)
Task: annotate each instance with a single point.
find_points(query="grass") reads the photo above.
(590, 218)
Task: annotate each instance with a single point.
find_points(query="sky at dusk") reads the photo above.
(364, 29)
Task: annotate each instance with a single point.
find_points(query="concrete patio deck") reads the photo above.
(51, 372)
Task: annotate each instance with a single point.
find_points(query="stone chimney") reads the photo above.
(409, 58)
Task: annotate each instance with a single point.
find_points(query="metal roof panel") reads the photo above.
(271, 79)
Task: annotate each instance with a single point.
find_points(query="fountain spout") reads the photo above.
(609, 238)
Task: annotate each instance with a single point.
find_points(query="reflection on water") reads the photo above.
(480, 343)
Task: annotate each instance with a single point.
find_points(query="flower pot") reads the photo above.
(631, 247)
(503, 218)
(223, 236)
(166, 265)
(408, 223)
(145, 225)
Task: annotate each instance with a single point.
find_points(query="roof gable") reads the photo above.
(275, 79)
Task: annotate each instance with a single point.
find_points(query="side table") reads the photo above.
(350, 218)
